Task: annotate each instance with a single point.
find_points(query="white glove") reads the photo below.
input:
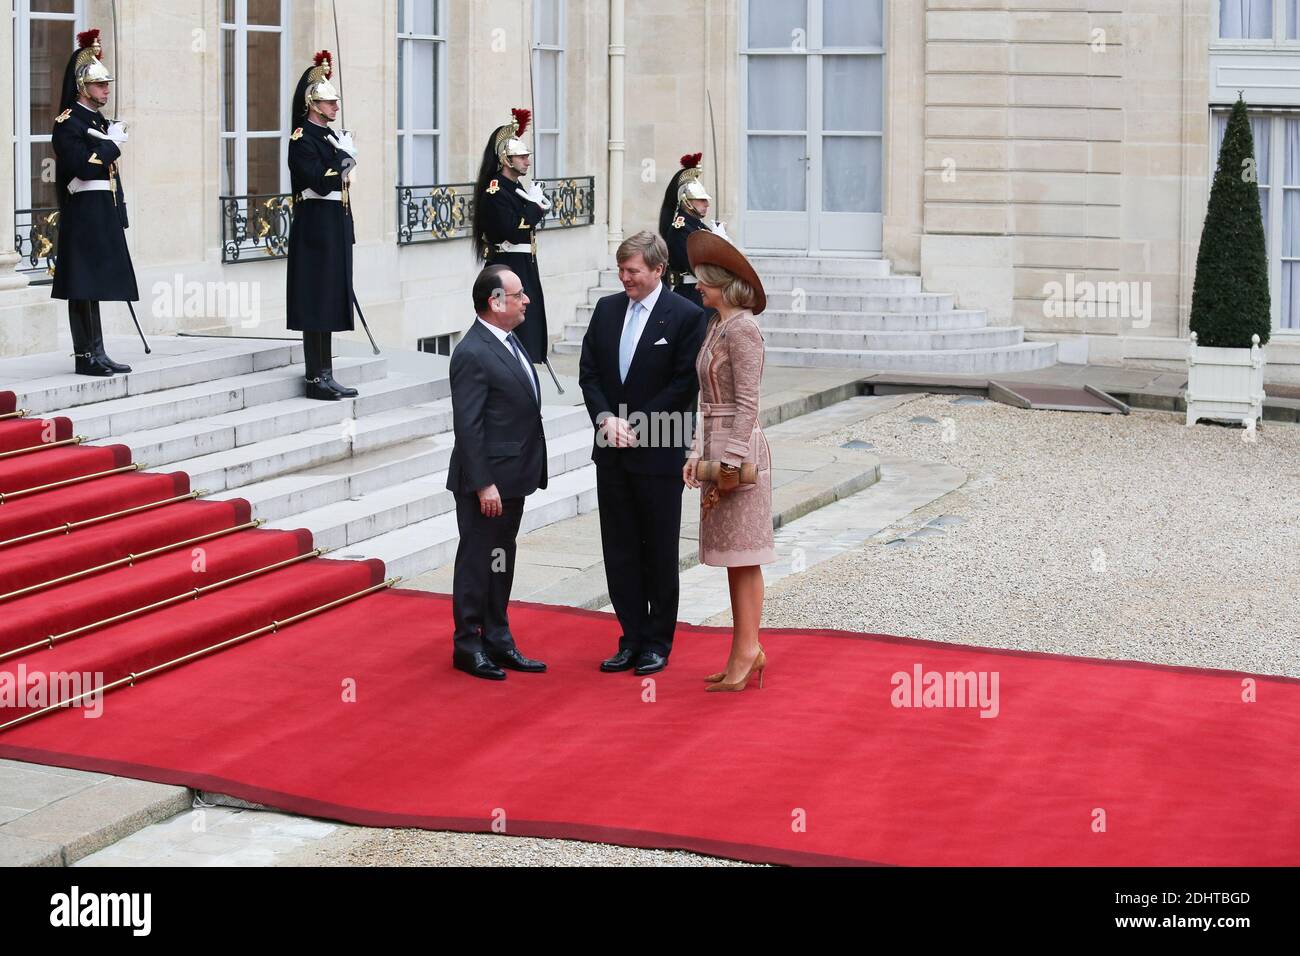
(116, 133)
(535, 195)
(344, 142)
(719, 229)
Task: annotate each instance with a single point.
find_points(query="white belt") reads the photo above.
(90, 185)
(336, 196)
(514, 247)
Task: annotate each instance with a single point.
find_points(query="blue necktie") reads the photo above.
(627, 345)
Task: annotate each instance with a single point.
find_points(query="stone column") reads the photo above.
(617, 142)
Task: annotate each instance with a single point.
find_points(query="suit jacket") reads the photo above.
(661, 378)
(497, 419)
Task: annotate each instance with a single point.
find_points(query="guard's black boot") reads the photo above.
(82, 349)
(97, 342)
(327, 367)
(317, 387)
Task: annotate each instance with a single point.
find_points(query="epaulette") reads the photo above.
(493, 188)
(297, 135)
(62, 116)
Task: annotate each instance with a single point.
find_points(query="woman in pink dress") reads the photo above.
(735, 515)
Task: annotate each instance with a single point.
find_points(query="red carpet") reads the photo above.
(1175, 765)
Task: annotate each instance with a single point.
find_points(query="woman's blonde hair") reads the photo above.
(735, 291)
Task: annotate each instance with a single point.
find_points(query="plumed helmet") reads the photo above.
(689, 186)
(84, 67)
(508, 139)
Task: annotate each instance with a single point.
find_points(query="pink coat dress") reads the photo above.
(737, 531)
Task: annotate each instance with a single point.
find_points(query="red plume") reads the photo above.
(691, 160)
(522, 117)
(321, 57)
(87, 39)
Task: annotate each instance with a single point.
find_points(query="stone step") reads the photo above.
(429, 544)
(1028, 356)
(809, 283)
(861, 302)
(836, 339)
(823, 265)
(45, 383)
(364, 474)
(350, 522)
(139, 413)
(259, 423)
(286, 454)
(948, 321)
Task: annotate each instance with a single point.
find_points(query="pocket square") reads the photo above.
(662, 342)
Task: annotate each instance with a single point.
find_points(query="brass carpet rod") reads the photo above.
(21, 413)
(131, 559)
(192, 594)
(68, 482)
(71, 526)
(44, 446)
(271, 628)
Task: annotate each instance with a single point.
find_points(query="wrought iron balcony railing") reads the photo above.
(254, 228)
(435, 213)
(36, 240)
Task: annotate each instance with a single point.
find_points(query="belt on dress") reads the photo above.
(718, 410)
(336, 196)
(514, 247)
(90, 185)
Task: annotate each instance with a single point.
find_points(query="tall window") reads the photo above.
(1277, 163)
(45, 31)
(548, 76)
(421, 54)
(1259, 19)
(254, 105)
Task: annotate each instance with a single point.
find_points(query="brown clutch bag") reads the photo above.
(710, 471)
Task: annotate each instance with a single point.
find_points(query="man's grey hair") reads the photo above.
(650, 247)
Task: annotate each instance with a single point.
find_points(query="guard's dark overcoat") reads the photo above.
(319, 282)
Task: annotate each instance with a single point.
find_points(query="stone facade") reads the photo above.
(1029, 147)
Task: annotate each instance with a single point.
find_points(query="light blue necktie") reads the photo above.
(627, 346)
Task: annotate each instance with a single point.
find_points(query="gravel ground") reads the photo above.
(1105, 536)
(362, 847)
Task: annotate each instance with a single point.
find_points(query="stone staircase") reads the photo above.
(366, 476)
(852, 313)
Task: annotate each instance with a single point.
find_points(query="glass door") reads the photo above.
(813, 79)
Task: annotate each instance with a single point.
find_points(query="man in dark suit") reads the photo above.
(498, 460)
(638, 378)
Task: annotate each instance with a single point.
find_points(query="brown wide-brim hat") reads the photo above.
(704, 248)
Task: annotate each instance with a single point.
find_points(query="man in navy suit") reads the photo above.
(637, 375)
(498, 460)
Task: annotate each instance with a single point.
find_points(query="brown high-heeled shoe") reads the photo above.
(760, 662)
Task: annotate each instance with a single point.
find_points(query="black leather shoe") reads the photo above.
(478, 666)
(513, 660)
(622, 661)
(650, 663)
(327, 374)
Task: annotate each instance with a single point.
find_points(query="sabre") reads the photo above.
(717, 188)
(357, 305)
(117, 74)
(140, 331)
(338, 60)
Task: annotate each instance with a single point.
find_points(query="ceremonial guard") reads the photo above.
(685, 210)
(506, 214)
(94, 264)
(319, 287)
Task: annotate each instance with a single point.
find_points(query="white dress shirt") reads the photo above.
(647, 306)
(502, 337)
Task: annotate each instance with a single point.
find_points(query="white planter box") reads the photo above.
(1225, 383)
